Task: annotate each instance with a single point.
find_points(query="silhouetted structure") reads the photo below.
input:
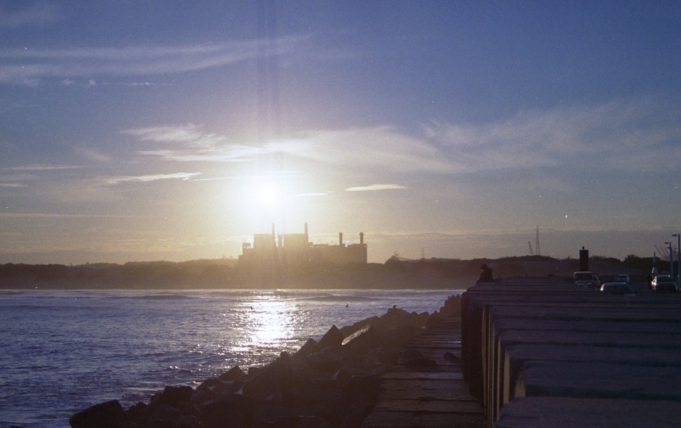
(294, 250)
(486, 274)
(583, 259)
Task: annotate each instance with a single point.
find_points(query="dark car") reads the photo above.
(620, 288)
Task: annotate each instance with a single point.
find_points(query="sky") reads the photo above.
(174, 130)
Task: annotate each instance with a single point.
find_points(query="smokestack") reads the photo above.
(583, 259)
(340, 238)
(361, 238)
(306, 235)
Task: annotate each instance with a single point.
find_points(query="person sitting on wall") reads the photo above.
(486, 274)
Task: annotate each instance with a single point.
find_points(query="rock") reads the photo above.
(233, 411)
(235, 373)
(359, 396)
(109, 414)
(356, 335)
(327, 359)
(435, 320)
(348, 330)
(332, 338)
(175, 395)
(163, 416)
(341, 377)
(309, 347)
(332, 382)
(271, 381)
(138, 413)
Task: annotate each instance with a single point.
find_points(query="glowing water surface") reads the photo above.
(65, 350)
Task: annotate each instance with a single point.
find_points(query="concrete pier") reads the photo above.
(543, 352)
(427, 390)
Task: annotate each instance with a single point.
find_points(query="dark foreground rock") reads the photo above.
(332, 382)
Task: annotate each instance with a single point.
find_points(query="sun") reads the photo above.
(264, 200)
(267, 195)
(253, 203)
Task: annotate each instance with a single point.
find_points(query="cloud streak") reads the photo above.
(189, 143)
(36, 14)
(43, 167)
(375, 188)
(613, 136)
(22, 66)
(184, 176)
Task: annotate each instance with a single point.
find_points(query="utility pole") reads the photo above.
(536, 243)
(678, 258)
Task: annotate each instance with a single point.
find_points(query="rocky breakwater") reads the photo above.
(332, 382)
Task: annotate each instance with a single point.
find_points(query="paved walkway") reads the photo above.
(418, 393)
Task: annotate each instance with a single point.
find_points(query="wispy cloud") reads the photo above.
(625, 133)
(579, 137)
(91, 154)
(38, 215)
(375, 188)
(189, 143)
(35, 14)
(30, 65)
(312, 195)
(151, 177)
(43, 167)
(12, 185)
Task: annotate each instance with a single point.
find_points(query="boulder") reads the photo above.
(109, 414)
(138, 413)
(271, 381)
(175, 395)
(233, 411)
(305, 350)
(332, 338)
(327, 359)
(235, 373)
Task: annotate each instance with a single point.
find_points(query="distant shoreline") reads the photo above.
(226, 274)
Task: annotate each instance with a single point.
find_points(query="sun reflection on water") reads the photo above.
(272, 321)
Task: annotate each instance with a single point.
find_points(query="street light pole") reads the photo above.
(678, 259)
(671, 265)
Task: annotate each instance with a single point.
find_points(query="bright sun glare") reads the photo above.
(267, 195)
(265, 200)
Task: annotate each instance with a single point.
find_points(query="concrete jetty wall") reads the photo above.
(543, 352)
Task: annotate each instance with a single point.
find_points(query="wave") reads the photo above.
(338, 298)
(157, 296)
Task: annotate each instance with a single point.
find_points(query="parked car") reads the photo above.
(617, 287)
(586, 279)
(663, 283)
(623, 277)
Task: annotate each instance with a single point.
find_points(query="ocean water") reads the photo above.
(62, 351)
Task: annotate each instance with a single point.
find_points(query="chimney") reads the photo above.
(361, 238)
(340, 238)
(306, 234)
(583, 259)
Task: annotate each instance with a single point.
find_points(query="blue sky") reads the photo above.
(175, 130)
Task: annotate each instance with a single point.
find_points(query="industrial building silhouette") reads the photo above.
(294, 250)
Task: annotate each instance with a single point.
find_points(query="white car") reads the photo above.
(663, 283)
